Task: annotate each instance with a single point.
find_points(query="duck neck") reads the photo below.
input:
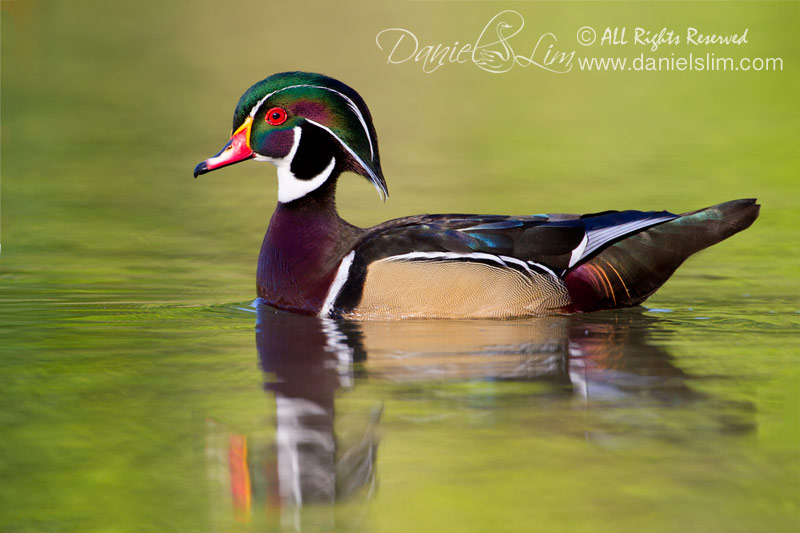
(305, 242)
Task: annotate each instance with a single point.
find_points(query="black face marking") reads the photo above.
(314, 153)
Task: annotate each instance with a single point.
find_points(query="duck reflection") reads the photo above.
(600, 355)
(306, 360)
(590, 360)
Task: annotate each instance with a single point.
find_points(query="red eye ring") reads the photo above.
(276, 116)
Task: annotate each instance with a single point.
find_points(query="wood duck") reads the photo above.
(313, 128)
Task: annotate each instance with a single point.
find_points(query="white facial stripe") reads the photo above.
(338, 282)
(373, 178)
(350, 104)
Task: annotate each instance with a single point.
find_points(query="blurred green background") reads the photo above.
(120, 274)
(108, 106)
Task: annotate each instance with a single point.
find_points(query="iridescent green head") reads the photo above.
(310, 126)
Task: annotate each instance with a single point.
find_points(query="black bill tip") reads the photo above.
(202, 168)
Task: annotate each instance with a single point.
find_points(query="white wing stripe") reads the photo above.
(588, 244)
(516, 261)
(338, 282)
(502, 260)
(446, 255)
(600, 237)
(546, 269)
(577, 253)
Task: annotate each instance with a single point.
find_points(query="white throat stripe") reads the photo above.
(290, 187)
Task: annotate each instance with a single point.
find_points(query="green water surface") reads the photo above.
(140, 389)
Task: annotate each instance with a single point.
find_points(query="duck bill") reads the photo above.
(238, 149)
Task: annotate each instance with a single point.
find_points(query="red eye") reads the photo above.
(276, 116)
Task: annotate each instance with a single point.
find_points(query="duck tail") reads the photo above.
(626, 273)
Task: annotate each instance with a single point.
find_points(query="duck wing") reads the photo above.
(478, 266)
(461, 265)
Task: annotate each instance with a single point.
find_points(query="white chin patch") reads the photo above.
(291, 188)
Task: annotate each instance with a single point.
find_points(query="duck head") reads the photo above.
(310, 126)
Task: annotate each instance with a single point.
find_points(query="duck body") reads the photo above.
(313, 128)
(301, 252)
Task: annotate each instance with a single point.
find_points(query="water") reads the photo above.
(175, 418)
(140, 389)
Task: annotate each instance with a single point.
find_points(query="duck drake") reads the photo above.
(313, 128)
